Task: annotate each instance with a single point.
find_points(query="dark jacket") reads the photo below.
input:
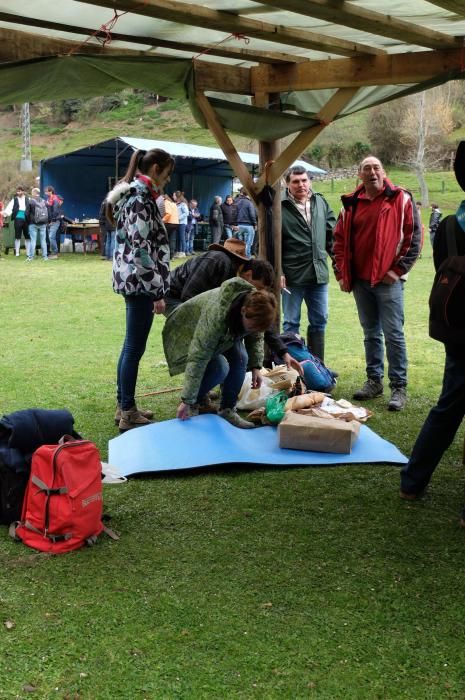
(15, 209)
(246, 213)
(440, 253)
(305, 248)
(229, 213)
(216, 216)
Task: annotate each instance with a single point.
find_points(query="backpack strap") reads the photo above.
(43, 487)
(450, 236)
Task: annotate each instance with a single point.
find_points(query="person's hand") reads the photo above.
(184, 411)
(389, 279)
(282, 282)
(292, 363)
(343, 287)
(159, 306)
(256, 378)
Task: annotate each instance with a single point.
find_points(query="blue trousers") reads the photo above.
(381, 313)
(227, 369)
(438, 430)
(139, 318)
(316, 300)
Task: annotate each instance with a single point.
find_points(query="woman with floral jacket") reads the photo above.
(140, 268)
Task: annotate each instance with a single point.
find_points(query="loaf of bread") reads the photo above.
(304, 401)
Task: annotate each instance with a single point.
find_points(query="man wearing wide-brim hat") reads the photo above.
(206, 271)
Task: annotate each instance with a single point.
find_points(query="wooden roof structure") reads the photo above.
(296, 64)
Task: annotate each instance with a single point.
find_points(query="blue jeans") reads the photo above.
(227, 369)
(246, 233)
(181, 240)
(110, 239)
(316, 299)
(190, 235)
(438, 430)
(381, 313)
(35, 229)
(139, 318)
(228, 232)
(52, 236)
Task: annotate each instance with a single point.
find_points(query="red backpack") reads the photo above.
(62, 507)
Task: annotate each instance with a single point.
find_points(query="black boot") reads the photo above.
(316, 343)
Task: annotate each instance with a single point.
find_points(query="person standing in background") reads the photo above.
(54, 204)
(183, 213)
(434, 219)
(191, 228)
(37, 215)
(171, 221)
(229, 210)
(246, 219)
(216, 220)
(17, 209)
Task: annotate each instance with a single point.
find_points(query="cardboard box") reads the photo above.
(300, 432)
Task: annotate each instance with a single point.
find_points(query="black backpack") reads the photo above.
(39, 211)
(12, 488)
(447, 298)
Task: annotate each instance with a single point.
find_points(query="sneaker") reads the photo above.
(132, 419)
(370, 390)
(398, 398)
(231, 416)
(146, 414)
(53, 257)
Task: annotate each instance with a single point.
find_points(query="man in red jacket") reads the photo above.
(377, 240)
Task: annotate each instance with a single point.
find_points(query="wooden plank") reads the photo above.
(295, 149)
(222, 78)
(350, 15)
(223, 50)
(392, 69)
(225, 143)
(198, 16)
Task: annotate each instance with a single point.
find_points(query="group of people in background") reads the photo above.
(180, 218)
(35, 218)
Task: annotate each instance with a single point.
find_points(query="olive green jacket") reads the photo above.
(198, 330)
(305, 249)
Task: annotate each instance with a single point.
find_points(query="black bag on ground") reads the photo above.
(12, 488)
(447, 298)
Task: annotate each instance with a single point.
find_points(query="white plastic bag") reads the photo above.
(249, 398)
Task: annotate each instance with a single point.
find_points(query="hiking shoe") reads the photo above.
(132, 419)
(398, 398)
(409, 496)
(146, 414)
(370, 390)
(231, 416)
(206, 405)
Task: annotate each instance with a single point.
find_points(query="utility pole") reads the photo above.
(25, 121)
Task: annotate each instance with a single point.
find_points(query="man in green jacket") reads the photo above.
(214, 338)
(307, 240)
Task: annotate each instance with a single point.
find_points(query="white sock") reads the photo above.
(17, 246)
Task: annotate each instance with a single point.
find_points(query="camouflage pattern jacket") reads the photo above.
(198, 330)
(141, 263)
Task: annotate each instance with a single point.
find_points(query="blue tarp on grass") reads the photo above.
(209, 441)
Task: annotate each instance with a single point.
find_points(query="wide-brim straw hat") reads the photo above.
(232, 246)
(459, 165)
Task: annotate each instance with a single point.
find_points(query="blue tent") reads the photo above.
(83, 177)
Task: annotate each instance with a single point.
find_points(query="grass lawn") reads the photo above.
(266, 583)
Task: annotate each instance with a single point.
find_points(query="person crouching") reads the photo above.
(214, 338)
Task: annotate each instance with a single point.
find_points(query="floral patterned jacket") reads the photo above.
(142, 255)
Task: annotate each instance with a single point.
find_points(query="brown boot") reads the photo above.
(146, 414)
(132, 419)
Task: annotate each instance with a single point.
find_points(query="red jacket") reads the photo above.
(398, 235)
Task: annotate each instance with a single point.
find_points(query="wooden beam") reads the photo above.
(350, 15)
(18, 46)
(218, 20)
(451, 5)
(225, 143)
(217, 77)
(154, 42)
(415, 67)
(295, 149)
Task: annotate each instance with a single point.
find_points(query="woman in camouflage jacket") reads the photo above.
(140, 268)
